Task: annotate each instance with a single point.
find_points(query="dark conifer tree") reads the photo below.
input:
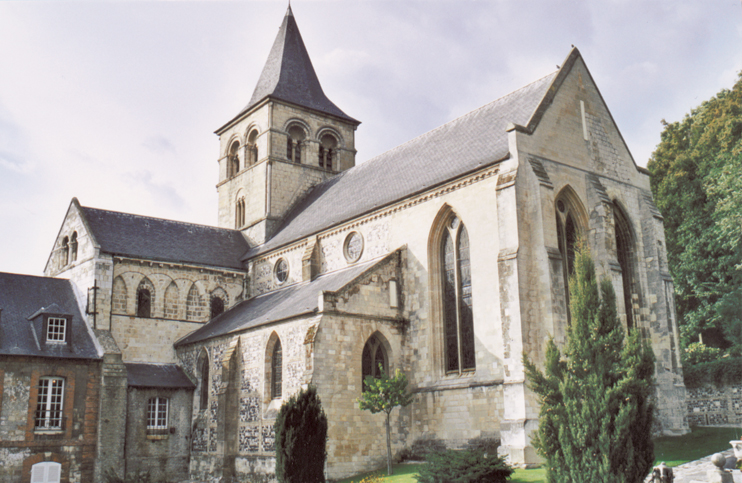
(596, 410)
(301, 436)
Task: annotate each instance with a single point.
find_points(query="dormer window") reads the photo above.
(327, 148)
(56, 330)
(294, 142)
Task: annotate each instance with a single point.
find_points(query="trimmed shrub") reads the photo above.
(698, 353)
(721, 372)
(464, 466)
(301, 435)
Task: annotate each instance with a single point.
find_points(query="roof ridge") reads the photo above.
(28, 275)
(187, 223)
(452, 121)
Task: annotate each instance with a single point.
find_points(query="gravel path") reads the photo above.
(697, 471)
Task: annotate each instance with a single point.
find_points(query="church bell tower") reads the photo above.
(289, 138)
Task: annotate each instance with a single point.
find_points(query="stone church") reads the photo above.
(446, 257)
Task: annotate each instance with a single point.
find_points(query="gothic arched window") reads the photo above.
(276, 370)
(458, 319)
(626, 259)
(73, 247)
(373, 359)
(203, 396)
(569, 233)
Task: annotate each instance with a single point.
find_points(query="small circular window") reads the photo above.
(281, 270)
(353, 247)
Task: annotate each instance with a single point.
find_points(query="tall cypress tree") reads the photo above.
(301, 436)
(596, 410)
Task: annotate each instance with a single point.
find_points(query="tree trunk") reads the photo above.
(388, 447)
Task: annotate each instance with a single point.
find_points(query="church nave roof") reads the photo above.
(463, 145)
(138, 236)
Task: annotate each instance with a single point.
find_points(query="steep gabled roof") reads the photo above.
(138, 236)
(463, 145)
(23, 298)
(157, 375)
(288, 75)
(292, 301)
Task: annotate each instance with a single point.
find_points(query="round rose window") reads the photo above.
(353, 247)
(281, 270)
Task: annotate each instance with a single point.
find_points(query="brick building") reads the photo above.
(446, 257)
(49, 382)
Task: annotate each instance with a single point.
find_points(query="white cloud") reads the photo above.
(116, 102)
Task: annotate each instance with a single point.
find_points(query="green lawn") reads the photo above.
(695, 445)
(536, 475)
(672, 450)
(403, 473)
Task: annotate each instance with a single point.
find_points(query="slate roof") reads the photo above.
(23, 299)
(294, 300)
(157, 375)
(288, 74)
(463, 145)
(165, 240)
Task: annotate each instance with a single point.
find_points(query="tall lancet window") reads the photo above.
(627, 261)
(458, 320)
(569, 232)
(239, 212)
(277, 371)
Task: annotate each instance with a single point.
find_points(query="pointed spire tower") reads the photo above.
(288, 138)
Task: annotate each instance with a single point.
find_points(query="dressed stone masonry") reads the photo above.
(446, 258)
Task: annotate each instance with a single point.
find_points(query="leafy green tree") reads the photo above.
(596, 411)
(697, 185)
(301, 435)
(385, 394)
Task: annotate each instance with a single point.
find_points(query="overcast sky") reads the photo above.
(115, 103)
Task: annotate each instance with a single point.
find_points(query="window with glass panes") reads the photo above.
(56, 329)
(157, 413)
(49, 403)
(458, 320)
